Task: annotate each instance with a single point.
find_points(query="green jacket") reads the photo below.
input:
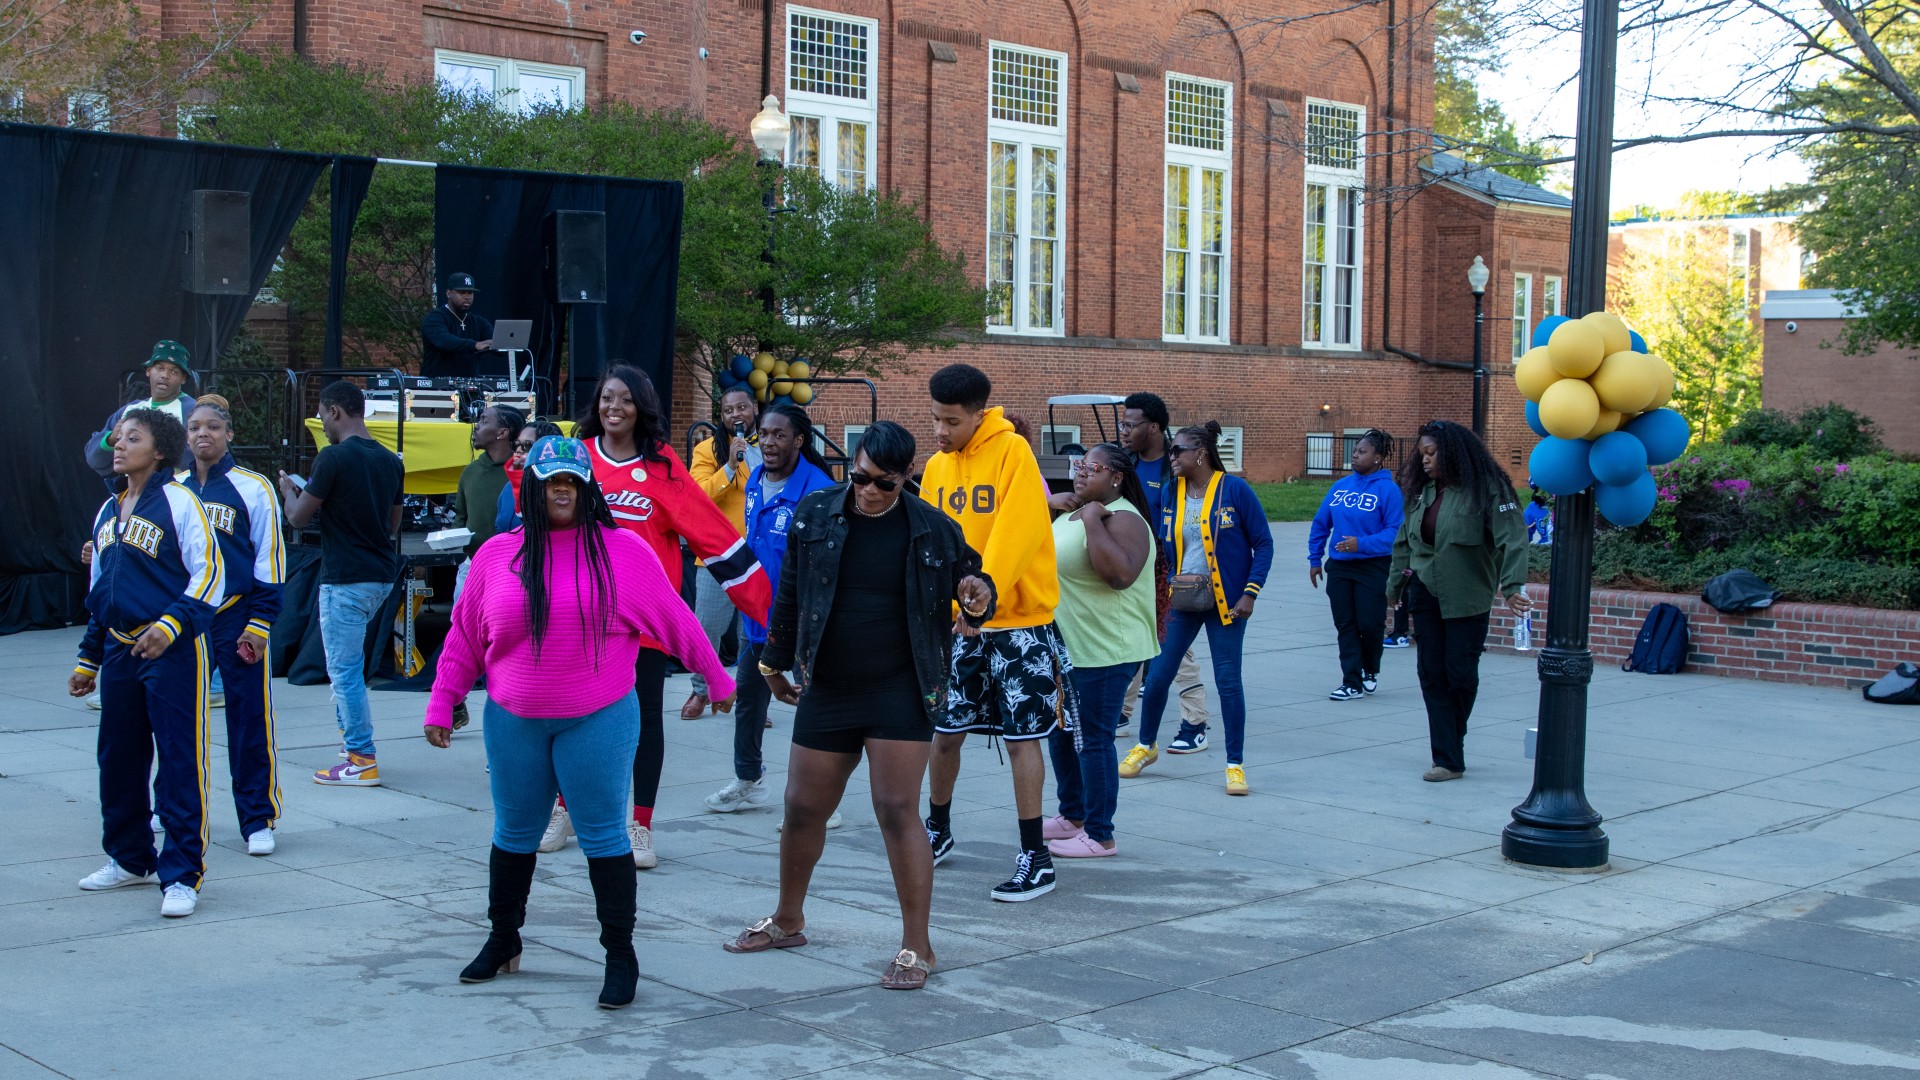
(1473, 555)
(476, 498)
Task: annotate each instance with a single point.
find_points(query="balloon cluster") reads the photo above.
(1598, 399)
(769, 380)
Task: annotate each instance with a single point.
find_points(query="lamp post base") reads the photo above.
(1554, 848)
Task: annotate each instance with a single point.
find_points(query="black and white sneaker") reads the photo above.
(1397, 641)
(1032, 876)
(1369, 681)
(1346, 693)
(1189, 741)
(940, 839)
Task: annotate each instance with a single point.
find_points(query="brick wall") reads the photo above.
(1807, 367)
(1815, 644)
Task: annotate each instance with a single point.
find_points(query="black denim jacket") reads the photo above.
(937, 558)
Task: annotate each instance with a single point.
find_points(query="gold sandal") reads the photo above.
(906, 971)
(772, 937)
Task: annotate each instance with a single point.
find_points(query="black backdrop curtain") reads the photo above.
(347, 188)
(92, 273)
(487, 222)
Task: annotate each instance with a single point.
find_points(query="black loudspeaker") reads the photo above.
(219, 242)
(576, 242)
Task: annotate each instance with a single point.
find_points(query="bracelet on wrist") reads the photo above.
(765, 670)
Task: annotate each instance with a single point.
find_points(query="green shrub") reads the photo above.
(1831, 431)
(1621, 562)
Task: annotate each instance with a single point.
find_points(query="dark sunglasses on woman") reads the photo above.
(860, 479)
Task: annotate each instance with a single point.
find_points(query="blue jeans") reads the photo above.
(587, 759)
(1088, 780)
(345, 613)
(749, 712)
(1224, 641)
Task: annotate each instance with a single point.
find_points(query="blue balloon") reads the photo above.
(1546, 328)
(1533, 419)
(1639, 343)
(1664, 433)
(740, 367)
(783, 399)
(1617, 458)
(1627, 505)
(724, 379)
(1560, 466)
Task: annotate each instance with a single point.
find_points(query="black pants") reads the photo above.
(1449, 651)
(649, 683)
(1357, 592)
(1400, 618)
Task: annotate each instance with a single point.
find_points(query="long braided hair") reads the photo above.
(593, 520)
(802, 430)
(1382, 443)
(1127, 467)
(1465, 466)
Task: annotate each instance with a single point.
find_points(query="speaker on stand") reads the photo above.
(219, 250)
(576, 273)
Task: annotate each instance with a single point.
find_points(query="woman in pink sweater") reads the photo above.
(553, 613)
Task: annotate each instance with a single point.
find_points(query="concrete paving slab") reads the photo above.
(1204, 1027)
(1059, 1050)
(1363, 1055)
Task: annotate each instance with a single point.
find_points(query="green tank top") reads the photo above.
(1102, 626)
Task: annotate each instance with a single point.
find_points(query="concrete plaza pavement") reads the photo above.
(1347, 922)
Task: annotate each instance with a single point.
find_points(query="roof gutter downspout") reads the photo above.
(1450, 365)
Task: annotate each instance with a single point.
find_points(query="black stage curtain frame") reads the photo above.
(487, 222)
(347, 189)
(91, 241)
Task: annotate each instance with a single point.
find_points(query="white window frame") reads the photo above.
(1054, 436)
(1026, 139)
(1341, 185)
(1196, 162)
(828, 112)
(507, 73)
(1553, 296)
(1522, 314)
(1231, 441)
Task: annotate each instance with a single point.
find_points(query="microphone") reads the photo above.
(740, 432)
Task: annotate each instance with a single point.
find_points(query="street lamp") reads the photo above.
(770, 128)
(1477, 277)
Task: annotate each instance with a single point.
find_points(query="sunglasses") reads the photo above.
(523, 447)
(860, 479)
(1176, 450)
(1085, 467)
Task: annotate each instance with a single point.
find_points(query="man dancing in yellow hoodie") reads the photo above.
(1010, 679)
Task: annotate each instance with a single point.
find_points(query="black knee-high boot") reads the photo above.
(509, 880)
(613, 901)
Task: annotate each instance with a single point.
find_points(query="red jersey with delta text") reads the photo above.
(660, 503)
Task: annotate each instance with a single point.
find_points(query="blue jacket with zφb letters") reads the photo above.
(767, 521)
(1367, 507)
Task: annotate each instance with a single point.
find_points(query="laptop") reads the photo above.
(512, 334)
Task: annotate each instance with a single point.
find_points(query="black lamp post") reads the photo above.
(1556, 827)
(1477, 276)
(770, 129)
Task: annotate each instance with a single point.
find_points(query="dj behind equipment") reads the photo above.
(455, 342)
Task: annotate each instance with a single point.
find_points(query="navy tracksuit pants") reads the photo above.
(250, 748)
(150, 707)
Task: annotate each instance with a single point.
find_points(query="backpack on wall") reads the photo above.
(1901, 686)
(1661, 647)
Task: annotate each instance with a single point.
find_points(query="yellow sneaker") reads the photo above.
(1236, 780)
(1138, 758)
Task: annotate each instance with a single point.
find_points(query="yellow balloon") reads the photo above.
(757, 379)
(1533, 373)
(1608, 423)
(1613, 330)
(1625, 382)
(779, 369)
(1569, 408)
(760, 395)
(764, 361)
(781, 387)
(802, 393)
(1662, 374)
(799, 370)
(1576, 349)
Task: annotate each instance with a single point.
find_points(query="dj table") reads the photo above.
(436, 450)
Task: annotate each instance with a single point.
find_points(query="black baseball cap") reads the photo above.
(463, 282)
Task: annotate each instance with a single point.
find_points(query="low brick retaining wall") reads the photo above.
(1817, 644)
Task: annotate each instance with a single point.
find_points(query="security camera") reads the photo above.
(1792, 326)
(637, 36)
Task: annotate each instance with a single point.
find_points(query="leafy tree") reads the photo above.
(862, 279)
(102, 63)
(1694, 309)
(1476, 129)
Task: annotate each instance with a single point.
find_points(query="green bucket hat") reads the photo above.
(166, 351)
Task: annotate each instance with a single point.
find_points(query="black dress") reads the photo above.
(863, 682)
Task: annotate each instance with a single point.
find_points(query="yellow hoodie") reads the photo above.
(992, 487)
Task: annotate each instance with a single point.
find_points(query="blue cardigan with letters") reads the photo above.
(1239, 543)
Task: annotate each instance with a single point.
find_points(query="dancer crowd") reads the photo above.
(898, 616)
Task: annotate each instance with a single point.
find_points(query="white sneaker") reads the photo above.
(216, 701)
(179, 900)
(154, 826)
(1125, 732)
(261, 842)
(111, 876)
(559, 827)
(833, 822)
(739, 795)
(93, 701)
(641, 838)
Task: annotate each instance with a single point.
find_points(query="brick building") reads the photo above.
(1230, 214)
(1805, 366)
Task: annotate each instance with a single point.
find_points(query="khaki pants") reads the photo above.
(1186, 684)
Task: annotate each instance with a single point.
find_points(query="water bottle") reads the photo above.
(1523, 633)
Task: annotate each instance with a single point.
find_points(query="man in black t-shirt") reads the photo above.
(355, 494)
(454, 342)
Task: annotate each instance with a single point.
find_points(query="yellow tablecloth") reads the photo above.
(436, 450)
